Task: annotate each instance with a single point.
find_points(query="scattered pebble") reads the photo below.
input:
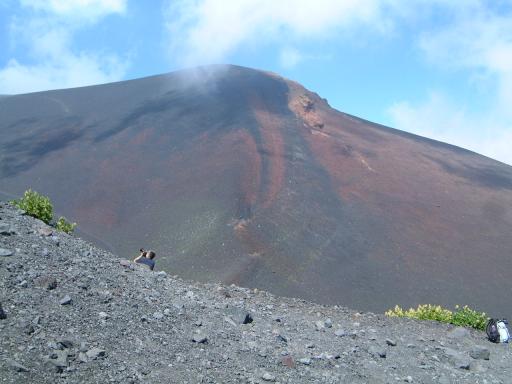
(66, 300)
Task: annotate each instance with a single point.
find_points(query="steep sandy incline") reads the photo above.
(235, 175)
(74, 313)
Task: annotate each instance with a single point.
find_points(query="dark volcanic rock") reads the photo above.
(254, 180)
(3, 315)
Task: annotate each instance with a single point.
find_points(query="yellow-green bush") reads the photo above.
(464, 316)
(36, 205)
(40, 207)
(64, 225)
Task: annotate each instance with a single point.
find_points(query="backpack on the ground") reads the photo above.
(497, 331)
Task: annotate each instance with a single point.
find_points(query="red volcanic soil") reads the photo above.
(239, 175)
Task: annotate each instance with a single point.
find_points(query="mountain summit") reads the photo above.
(240, 176)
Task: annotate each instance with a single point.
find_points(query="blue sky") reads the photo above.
(437, 68)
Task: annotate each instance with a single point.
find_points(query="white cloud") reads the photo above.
(477, 40)
(480, 41)
(70, 71)
(442, 120)
(78, 9)
(206, 31)
(290, 57)
(46, 35)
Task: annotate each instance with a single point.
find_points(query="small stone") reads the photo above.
(5, 252)
(66, 300)
(55, 239)
(282, 338)
(391, 342)
(23, 284)
(459, 360)
(377, 351)
(268, 377)
(16, 366)
(103, 315)
(320, 325)
(305, 361)
(5, 229)
(50, 283)
(45, 252)
(3, 315)
(161, 274)
(158, 315)
(45, 231)
(328, 323)
(340, 332)
(29, 329)
(65, 343)
(59, 359)
(126, 264)
(82, 357)
(199, 338)
(167, 312)
(287, 361)
(408, 379)
(240, 316)
(480, 353)
(95, 353)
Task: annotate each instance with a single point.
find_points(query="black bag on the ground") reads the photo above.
(492, 330)
(497, 331)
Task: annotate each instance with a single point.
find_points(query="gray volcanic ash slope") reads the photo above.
(77, 314)
(244, 177)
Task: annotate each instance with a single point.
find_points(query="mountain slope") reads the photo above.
(238, 175)
(74, 313)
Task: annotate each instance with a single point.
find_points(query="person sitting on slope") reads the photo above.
(146, 258)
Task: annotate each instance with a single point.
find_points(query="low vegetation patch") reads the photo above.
(462, 316)
(36, 205)
(40, 207)
(64, 225)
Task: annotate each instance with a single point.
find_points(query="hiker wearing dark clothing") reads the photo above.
(146, 258)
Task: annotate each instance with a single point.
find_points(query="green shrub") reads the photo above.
(464, 316)
(36, 205)
(64, 225)
(40, 207)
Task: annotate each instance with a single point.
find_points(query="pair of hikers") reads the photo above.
(146, 258)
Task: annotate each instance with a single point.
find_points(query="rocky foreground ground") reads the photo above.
(73, 313)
